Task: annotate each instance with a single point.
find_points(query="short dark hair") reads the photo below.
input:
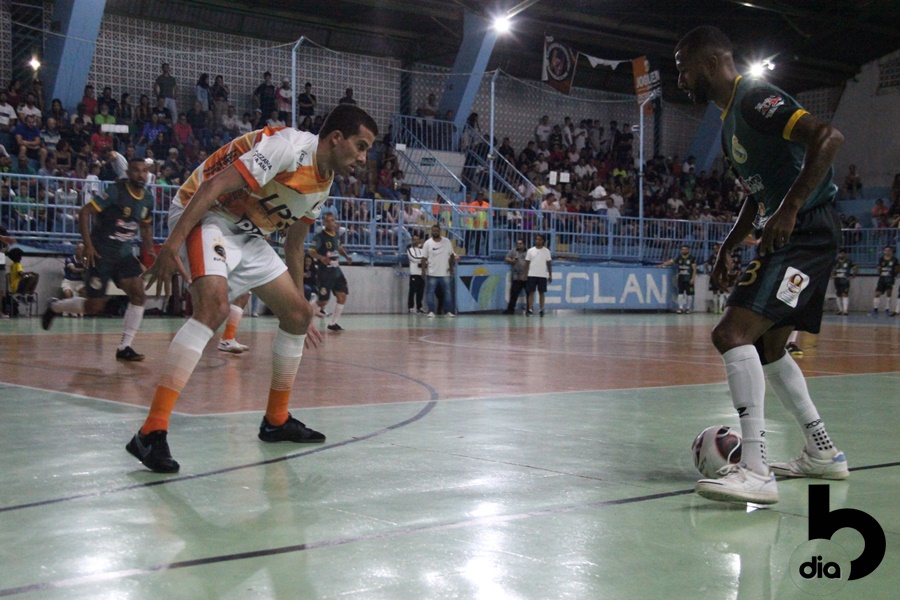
(705, 37)
(348, 118)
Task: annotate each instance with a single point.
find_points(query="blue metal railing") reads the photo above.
(43, 211)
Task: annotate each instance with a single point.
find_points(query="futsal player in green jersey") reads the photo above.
(784, 157)
(118, 216)
(844, 271)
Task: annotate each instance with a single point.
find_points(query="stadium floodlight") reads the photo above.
(502, 24)
(35, 63)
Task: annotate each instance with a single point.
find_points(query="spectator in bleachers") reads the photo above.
(306, 103)
(542, 131)
(50, 135)
(108, 99)
(275, 120)
(166, 87)
(219, 94)
(29, 107)
(879, 212)
(124, 111)
(142, 112)
(162, 112)
(8, 120)
(28, 142)
(284, 97)
(63, 155)
(102, 142)
(348, 97)
(89, 100)
(160, 146)
(264, 95)
(151, 132)
(14, 92)
(183, 132)
(229, 122)
(104, 117)
(25, 208)
(202, 92)
(246, 125)
(852, 183)
(257, 121)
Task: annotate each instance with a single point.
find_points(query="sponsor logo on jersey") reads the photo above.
(95, 283)
(220, 250)
(794, 282)
(126, 212)
(261, 161)
(738, 153)
(768, 106)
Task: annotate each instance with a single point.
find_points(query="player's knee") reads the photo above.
(723, 338)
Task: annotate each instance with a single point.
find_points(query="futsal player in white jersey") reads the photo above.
(273, 179)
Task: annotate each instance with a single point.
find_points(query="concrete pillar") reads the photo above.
(67, 57)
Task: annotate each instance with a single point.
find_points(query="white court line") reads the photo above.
(536, 395)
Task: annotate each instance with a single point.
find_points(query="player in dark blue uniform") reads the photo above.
(684, 278)
(888, 269)
(844, 271)
(783, 156)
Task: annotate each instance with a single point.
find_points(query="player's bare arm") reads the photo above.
(167, 261)
(346, 255)
(738, 233)
(85, 216)
(822, 142)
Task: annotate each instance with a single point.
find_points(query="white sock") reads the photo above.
(133, 316)
(789, 385)
(680, 301)
(338, 309)
(846, 302)
(897, 305)
(748, 394)
(792, 339)
(69, 305)
(690, 303)
(877, 302)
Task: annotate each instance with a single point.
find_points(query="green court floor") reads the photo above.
(574, 494)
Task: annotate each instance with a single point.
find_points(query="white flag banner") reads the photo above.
(612, 64)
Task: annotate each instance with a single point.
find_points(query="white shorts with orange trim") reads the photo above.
(214, 248)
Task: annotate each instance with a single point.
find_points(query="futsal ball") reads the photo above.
(714, 448)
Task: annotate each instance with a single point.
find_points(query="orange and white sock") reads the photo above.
(181, 359)
(235, 314)
(287, 350)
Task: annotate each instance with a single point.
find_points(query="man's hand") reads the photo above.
(722, 268)
(777, 231)
(313, 337)
(90, 256)
(167, 263)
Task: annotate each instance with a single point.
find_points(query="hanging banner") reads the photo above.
(646, 82)
(559, 65)
(596, 62)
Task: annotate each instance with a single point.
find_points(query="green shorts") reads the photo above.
(331, 279)
(788, 286)
(96, 278)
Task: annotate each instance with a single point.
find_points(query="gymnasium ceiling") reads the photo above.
(813, 44)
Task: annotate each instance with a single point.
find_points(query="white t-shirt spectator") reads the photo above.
(438, 254)
(542, 132)
(618, 199)
(537, 259)
(7, 110)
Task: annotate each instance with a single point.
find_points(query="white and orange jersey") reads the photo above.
(283, 183)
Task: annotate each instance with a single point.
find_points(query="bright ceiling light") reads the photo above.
(757, 70)
(502, 24)
(35, 63)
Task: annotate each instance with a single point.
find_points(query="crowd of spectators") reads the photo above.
(569, 168)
